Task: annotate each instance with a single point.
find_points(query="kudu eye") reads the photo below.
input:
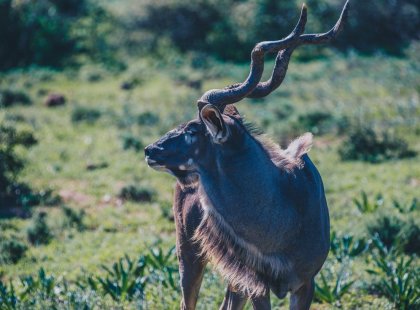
(190, 136)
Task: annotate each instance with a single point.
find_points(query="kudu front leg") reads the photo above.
(233, 300)
(302, 298)
(261, 302)
(191, 271)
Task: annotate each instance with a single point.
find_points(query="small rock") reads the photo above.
(55, 99)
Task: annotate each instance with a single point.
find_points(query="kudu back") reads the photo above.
(256, 211)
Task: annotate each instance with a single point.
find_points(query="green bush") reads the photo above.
(44, 291)
(137, 193)
(36, 32)
(366, 206)
(73, 218)
(124, 281)
(405, 208)
(396, 233)
(39, 232)
(365, 144)
(387, 228)
(229, 29)
(12, 250)
(130, 141)
(317, 122)
(332, 291)
(10, 97)
(85, 114)
(396, 278)
(347, 246)
(148, 118)
(410, 235)
(11, 191)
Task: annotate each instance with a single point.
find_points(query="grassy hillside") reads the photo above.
(91, 149)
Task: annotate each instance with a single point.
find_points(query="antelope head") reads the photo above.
(218, 128)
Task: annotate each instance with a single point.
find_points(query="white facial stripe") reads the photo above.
(190, 161)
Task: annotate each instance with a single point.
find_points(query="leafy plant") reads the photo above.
(365, 206)
(347, 246)
(397, 279)
(73, 218)
(43, 285)
(8, 298)
(332, 293)
(39, 232)
(162, 267)
(405, 209)
(124, 281)
(396, 232)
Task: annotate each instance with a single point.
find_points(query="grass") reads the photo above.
(376, 90)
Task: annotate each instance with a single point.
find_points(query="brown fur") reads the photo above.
(289, 158)
(240, 262)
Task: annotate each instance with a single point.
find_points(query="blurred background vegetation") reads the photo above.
(85, 85)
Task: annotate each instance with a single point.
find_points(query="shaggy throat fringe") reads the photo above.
(240, 263)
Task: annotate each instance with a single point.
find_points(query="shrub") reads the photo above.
(347, 247)
(131, 142)
(387, 228)
(397, 279)
(124, 281)
(410, 235)
(161, 266)
(73, 218)
(405, 209)
(366, 144)
(37, 32)
(148, 118)
(85, 114)
(44, 291)
(228, 29)
(317, 122)
(39, 232)
(12, 192)
(396, 233)
(137, 193)
(10, 97)
(12, 250)
(332, 293)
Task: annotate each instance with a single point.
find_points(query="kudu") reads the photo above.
(257, 212)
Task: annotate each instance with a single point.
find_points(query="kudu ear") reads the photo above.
(214, 122)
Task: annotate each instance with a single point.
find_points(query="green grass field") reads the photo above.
(377, 91)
